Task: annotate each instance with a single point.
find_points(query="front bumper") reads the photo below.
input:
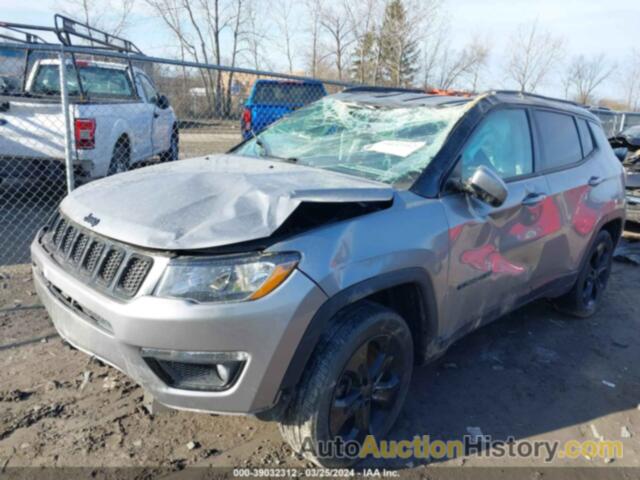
(268, 330)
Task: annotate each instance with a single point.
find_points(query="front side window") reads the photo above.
(559, 138)
(502, 142)
(390, 144)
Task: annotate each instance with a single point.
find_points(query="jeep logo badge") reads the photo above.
(91, 220)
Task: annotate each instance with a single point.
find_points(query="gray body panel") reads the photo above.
(480, 261)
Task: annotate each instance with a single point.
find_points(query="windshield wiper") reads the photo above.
(266, 150)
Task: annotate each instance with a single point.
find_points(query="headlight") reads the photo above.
(226, 279)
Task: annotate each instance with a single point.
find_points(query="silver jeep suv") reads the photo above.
(301, 276)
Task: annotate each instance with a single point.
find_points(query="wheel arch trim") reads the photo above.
(349, 296)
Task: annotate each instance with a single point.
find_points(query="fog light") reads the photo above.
(213, 371)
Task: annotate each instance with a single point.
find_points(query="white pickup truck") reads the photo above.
(118, 119)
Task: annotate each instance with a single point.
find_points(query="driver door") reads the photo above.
(494, 251)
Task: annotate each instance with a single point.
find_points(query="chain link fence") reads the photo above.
(107, 112)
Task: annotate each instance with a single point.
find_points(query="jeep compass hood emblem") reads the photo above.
(91, 220)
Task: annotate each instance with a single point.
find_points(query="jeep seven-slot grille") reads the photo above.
(93, 256)
(134, 274)
(106, 265)
(79, 247)
(110, 265)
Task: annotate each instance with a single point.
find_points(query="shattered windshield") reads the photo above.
(389, 144)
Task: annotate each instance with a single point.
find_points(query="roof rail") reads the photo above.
(449, 93)
(365, 88)
(67, 30)
(535, 95)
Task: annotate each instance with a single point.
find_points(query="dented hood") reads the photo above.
(209, 201)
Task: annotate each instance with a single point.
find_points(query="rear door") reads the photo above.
(495, 251)
(580, 184)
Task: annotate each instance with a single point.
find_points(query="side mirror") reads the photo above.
(162, 102)
(621, 153)
(487, 186)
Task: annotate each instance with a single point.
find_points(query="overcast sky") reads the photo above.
(588, 26)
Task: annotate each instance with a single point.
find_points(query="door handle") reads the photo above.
(533, 199)
(595, 181)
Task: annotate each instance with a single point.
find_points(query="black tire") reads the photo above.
(334, 399)
(121, 157)
(173, 153)
(585, 297)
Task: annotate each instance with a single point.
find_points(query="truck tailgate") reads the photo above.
(31, 129)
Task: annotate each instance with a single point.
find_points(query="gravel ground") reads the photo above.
(533, 375)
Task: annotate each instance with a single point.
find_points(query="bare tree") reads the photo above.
(178, 16)
(532, 55)
(238, 21)
(314, 10)
(111, 16)
(443, 66)
(480, 50)
(198, 25)
(336, 23)
(362, 17)
(458, 66)
(586, 74)
(256, 36)
(631, 81)
(436, 39)
(284, 11)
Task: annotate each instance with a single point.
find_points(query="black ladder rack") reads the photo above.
(68, 32)
(67, 28)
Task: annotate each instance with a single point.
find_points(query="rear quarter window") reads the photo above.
(585, 137)
(599, 137)
(561, 144)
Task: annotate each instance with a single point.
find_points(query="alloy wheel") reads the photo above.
(367, 389)
(598, 274)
